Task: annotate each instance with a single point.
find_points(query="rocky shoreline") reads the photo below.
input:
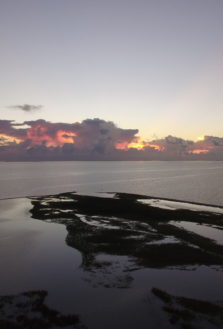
(145, 233)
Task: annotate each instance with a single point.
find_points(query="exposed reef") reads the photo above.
(191, 313)
(118, 234)
(125, 225)
(29, 311)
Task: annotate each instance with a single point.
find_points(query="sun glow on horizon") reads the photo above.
(201, 138)
(138, 144)
(6, 139)
(199, 151)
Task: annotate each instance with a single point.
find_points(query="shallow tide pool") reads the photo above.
(34, 255)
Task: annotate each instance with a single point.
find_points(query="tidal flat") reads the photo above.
(111, 260)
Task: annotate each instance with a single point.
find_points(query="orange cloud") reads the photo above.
(97, 139)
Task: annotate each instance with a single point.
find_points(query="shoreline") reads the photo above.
(97, 194)
(120, 238)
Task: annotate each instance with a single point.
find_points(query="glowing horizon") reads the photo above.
(96, 137)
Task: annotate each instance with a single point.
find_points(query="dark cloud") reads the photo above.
(101, 136)
(96, 139)
(27, 107)
(7, 127)
(173, 147)
(216, 141)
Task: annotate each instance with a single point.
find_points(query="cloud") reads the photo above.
(96, 139)
(212, 140)
(173, 147)
(27, 107)
(7, 127)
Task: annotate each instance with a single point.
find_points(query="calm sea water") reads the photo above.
(190, 181)
(35, 256)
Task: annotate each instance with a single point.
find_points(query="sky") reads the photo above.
(151, 65)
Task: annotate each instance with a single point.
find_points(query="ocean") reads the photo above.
(182, 180)
(114, 291)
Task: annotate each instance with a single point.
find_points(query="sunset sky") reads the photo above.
(151, 65)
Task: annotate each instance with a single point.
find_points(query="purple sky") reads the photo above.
(153, 65)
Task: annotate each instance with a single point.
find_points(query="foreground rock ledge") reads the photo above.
(124, 224)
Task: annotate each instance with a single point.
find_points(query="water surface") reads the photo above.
(34, 255)
(183, 180)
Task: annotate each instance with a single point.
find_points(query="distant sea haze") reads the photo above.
(200, 181)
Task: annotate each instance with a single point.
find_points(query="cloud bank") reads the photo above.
(27, 107)
(96, 139)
